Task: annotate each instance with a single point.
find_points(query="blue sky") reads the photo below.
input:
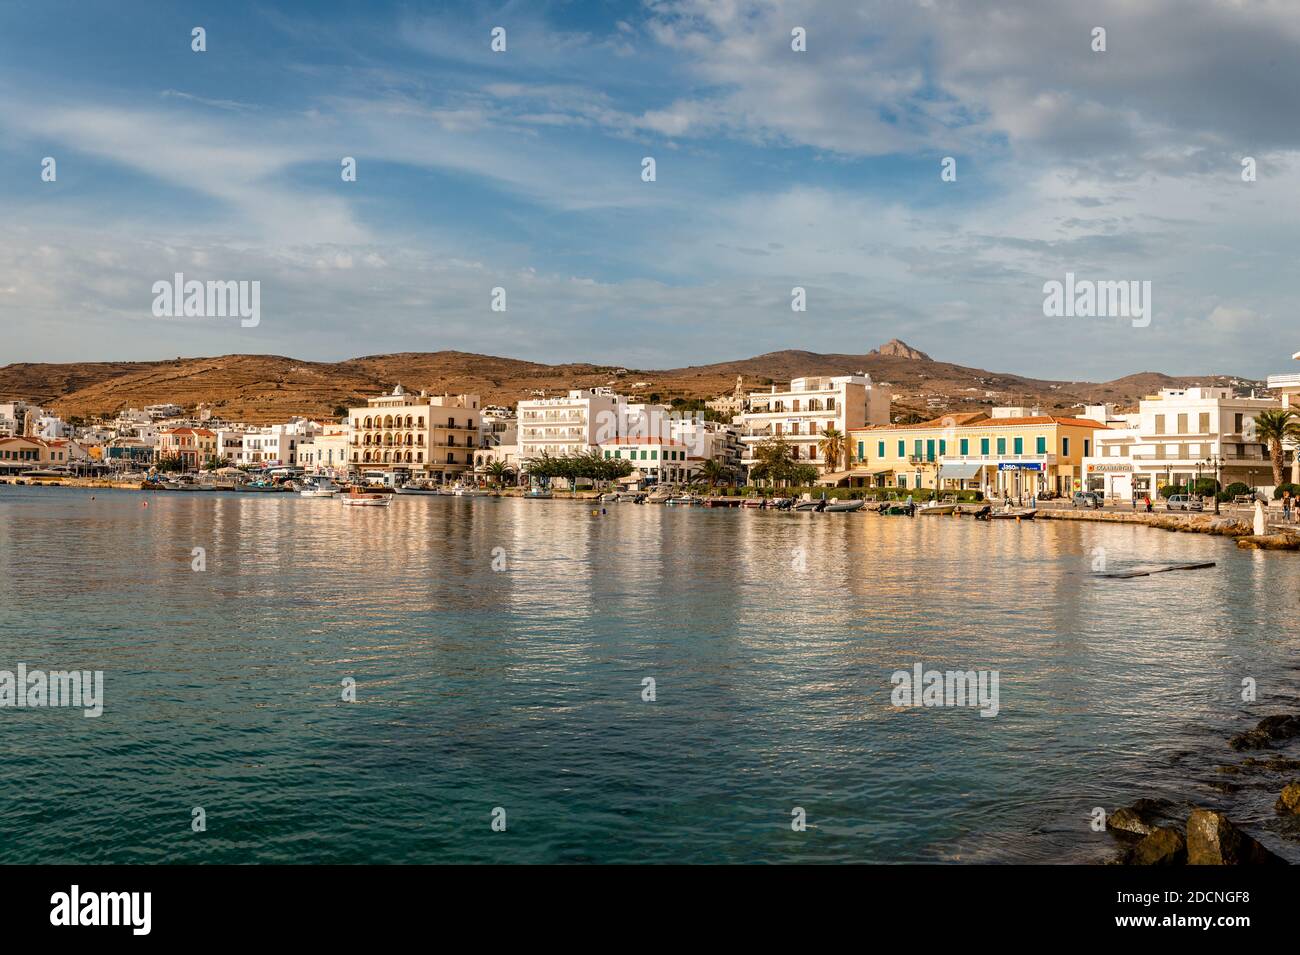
(775, 169)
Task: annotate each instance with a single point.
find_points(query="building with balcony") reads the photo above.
(423, 437)
(1177, 436)
(1288, 388)
(193, 446)
(326, 452)
(574, 424)
(654, 460)
(801, 412)
(1003, 452)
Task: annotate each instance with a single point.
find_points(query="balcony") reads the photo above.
(1284, 382)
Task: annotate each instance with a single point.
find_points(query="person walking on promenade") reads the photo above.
(1286, 507)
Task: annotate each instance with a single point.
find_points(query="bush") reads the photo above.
(1169, 490)
(1284, 486)
(1205, 487)
(1237, 487)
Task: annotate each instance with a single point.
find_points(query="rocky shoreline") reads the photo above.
(1152, 832)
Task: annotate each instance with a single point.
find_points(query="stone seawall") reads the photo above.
(1193, 523)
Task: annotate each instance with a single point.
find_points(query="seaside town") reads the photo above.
(828, 442)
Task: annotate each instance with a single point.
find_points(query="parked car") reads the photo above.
(1184, 502)
(1086, 499)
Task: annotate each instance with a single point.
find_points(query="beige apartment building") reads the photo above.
(422, 437)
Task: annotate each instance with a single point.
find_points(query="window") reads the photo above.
(916, 447)
(984, 446)
(642, 455)
(1019, 445)
(1160, 424)
(1204, 427)
(1002, 445)
(929, 449)
(862, 450)
(1065, 446)
(1237, 424)
(1182, 424)
(901, 452)
(1040, 444)
(606, 454)
(902, 480)
(880, 449)
(654, 455)
(943, 447)
(964, 446)
(1087, 447)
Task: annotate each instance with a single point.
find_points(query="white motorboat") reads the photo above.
(835, 507)
(430, 490)
(322, 487)
(538, 493)
(470, 491)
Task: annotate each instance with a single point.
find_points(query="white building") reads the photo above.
(575, 424)
(13, 414)
(1288, 387)
(325, 452)
(277, 444)
(655, 460)
(801, 412)
(1177, 436)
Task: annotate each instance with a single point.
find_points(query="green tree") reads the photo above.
(500, 473)
(1275, 429)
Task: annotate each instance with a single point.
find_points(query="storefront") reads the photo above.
(1113, 479)
(1019, 479)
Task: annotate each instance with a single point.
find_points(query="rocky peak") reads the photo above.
(900, 349)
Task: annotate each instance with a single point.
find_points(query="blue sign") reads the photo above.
(1020, 465)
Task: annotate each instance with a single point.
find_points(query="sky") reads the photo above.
(774, 169)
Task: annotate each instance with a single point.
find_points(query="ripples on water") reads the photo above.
(522, 688)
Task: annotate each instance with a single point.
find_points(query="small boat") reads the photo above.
(264, 487)
(359, 498)
(1013, 514)
(538, 493)
(422, 487)
(470, 491)
(838, 507)
(320, 488)
(684, 500)
(779, 503)
(934, 507)
(752, 502)
(810, 506)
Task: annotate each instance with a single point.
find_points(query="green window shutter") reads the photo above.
(984, 445)
(1020, 445)
(965, 446)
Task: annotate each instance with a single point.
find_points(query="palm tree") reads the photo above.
(500, 472)
(714, 472)
(1274, 428)
(830, 447)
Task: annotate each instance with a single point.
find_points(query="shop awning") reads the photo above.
(958, 472)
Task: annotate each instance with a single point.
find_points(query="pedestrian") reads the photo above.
(1286, 507)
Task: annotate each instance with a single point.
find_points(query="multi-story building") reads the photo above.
(809, 406)
(1288, 387)
(158, 412)
(15, 416)
(425, 437)
(1177, 436)
(326, 452)
(1004, 452)
(194, 446)
(575, 424)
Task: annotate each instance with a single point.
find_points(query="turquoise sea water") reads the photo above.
(521, 688)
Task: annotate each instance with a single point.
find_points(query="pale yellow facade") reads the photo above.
(1019, 456)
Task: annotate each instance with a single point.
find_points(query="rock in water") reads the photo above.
(1213, 840)
(1289, 801)
(1270, 728)
(1163, 846)
(1138, 818)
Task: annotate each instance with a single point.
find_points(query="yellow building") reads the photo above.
(1006, 452)
(429, 437)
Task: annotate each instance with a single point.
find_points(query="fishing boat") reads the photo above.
(322, 487)
(839, 507)
(359, 498)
